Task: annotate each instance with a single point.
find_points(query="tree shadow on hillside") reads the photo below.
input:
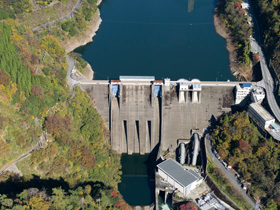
(14, 186)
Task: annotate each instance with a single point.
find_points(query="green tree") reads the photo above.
(58, 199)
(271, 205)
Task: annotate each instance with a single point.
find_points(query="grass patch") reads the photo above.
(25, 167)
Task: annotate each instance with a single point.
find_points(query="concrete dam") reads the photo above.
(141, 112)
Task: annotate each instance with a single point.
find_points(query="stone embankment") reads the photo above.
(239, 72)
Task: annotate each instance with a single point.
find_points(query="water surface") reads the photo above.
(137, 187)
(162, 38)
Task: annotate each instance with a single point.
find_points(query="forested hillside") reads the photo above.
(34, 96)
(269, 20)
(33, 13)
(239, 142)
(235, 19)
(27, 95)
(91, 196)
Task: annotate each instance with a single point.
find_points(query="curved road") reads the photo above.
(267, 78)
(228, 173)
(77, 6)
(71, 64)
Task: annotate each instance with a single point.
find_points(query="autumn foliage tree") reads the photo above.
(233, 15)
(188, 206)
(239, 142)
(52, 46)
(4, 148)
(58, 126)
(4, 78)
(37, 91)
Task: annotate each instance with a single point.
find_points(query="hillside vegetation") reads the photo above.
(88, 197)
(34, 97)
(35, 13)
(239, 142)
(269, 20)
(27, 95)
(235, 19)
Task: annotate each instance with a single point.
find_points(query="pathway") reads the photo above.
(37, 146)
(267, 78)
(70, 81)
(228, 173)
(77, 6)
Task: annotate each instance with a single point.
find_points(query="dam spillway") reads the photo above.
(141, 112)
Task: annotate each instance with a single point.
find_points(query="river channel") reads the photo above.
(161, 38)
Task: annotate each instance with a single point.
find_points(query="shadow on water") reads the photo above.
(137, 182)
(214, 4)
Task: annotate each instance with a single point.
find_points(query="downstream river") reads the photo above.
(161, 38)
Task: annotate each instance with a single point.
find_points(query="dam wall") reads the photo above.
(142, 112)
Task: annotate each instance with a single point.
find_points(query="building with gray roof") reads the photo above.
(260, 115)
(183, 180)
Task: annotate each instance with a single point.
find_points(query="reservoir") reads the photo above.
(161, 38)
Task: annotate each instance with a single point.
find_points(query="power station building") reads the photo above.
(260, 115)
(182, 179)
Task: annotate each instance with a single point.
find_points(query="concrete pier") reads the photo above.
(140, 113)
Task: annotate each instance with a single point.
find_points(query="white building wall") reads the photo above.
(162, 174)
(185, 190)
(171, 181)
(267, 123)
(259, 119)
(241, 93)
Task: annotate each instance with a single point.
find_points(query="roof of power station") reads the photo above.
(178, 173)
(137, 78)
(261, 111)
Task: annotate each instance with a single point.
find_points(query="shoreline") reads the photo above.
(85, 38)
(239, 72)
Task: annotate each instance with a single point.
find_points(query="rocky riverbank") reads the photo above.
(89, 73)
(86, 37)
(241, 73)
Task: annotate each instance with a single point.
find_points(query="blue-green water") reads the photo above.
(159, 38)
(137, 186)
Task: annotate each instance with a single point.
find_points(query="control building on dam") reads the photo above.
(141, 112)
